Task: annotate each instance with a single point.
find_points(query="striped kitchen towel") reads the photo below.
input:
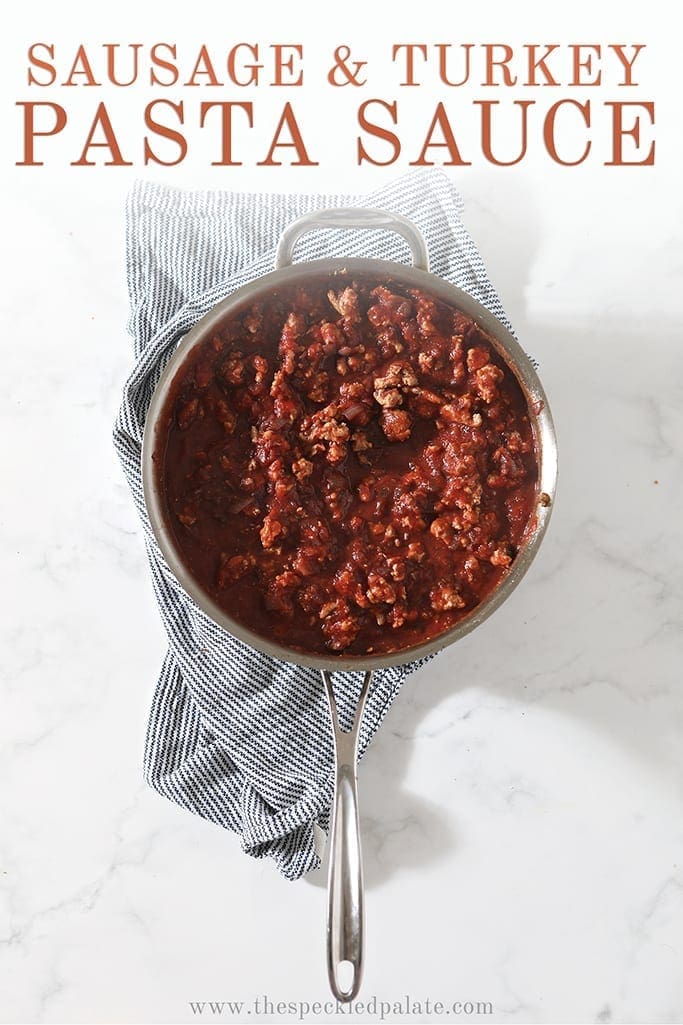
(233, 735)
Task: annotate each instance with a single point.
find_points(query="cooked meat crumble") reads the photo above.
(347, 470)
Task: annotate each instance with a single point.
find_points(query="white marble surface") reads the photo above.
(522, 808)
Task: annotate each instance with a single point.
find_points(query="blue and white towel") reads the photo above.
(233, 735)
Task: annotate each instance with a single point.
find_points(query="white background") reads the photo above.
(522, 805)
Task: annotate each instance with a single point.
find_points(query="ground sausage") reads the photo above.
(347, 469)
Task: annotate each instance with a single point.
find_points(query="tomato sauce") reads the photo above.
(347, 470)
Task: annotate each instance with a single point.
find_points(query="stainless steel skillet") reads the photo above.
(345, 887)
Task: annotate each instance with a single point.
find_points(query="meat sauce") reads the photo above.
(347, 470)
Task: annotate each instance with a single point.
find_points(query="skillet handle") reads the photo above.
(352, 217)
(345, 908)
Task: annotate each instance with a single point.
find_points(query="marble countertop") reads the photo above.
(522, 806)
